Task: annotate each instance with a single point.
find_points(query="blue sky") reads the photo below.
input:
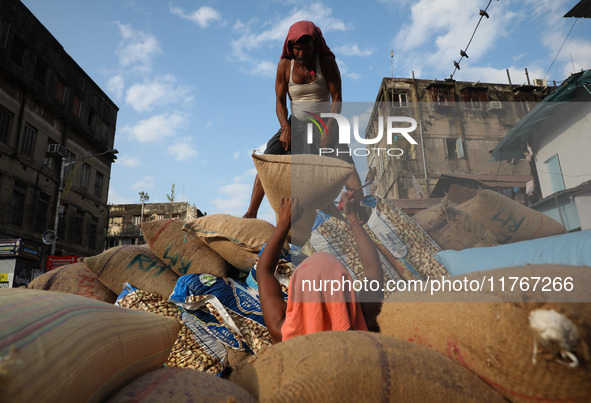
(194, 80)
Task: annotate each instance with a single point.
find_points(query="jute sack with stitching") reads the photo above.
(237, 240)
(315, 180)
(178, 384)
(133, 264)
(357, 366)
(61, 347)
(509, 220)
(496, 340)
(76, 279)
(454, 229)
(183, 255)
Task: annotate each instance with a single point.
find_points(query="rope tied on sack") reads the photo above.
(557, 333)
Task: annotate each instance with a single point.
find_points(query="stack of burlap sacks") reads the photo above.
(440, 351)
(491, 348)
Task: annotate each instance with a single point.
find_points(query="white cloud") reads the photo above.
(116, 85)
(236, 200)
(146, 183)
(117, 198)
(156, 127)
(353, 50)
(128, 161)
(345, 70)
(235, 197)
(159, 91)
(136, 47)
(441, 28)
(252, 38)
(203, 17)
(182, 149)
(553, 37)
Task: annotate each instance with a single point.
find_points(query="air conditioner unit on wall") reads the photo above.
(56, 150)
(538, 82)
(494, 105)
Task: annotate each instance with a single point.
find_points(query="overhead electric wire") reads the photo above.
(483, 13)
(557, 53)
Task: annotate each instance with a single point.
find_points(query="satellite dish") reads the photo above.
(49, 237)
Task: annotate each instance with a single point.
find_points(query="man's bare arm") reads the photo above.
(281, 84)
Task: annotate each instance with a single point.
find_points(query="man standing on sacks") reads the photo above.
(309, 75)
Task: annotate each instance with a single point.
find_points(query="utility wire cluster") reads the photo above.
(463, 52)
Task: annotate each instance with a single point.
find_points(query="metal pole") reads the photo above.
(61, 187)
(57, 204)
(424, 162)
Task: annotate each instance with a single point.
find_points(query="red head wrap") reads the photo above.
(299, 29)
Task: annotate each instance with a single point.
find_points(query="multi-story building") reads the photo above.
(51, 109)
(124, 220)
(458, 125)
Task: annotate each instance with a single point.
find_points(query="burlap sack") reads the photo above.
(181, 385)
(57, 347)
(315, 180)
(75, 279)
(183, 255)
(509, 220)
(237, 240)
(454, 229)
(355, 366)
(495, 340)
(133, 264)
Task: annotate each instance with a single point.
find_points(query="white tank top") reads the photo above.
(313, 97)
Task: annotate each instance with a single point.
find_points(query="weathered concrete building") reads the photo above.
(124, 220)
(458, 125)
(51, 109)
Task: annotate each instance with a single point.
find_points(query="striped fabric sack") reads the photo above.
(60, 347)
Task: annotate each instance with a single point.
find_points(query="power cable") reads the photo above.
(555, 57)
(463, 53)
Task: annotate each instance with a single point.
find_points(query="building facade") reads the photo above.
(458, 124)
(50, 110)
(557, 135)
(124, 220)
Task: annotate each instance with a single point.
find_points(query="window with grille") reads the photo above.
(399, 99)
(136, 220)
(98, 184)
(84, 176)
(525, 102)
(474, 99)
(92, 232)
(41, 213)
(454, 148)
(5, 124)
(40, 72)
(17, 51)
(17, 204)
(441, 96)
(77, 232)
(28, 140)
(60, 91)
(76, 105)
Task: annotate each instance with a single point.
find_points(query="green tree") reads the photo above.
(144, 197)
(171, 196)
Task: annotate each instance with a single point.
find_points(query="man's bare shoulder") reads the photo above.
(283, 64)
(329, 66)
